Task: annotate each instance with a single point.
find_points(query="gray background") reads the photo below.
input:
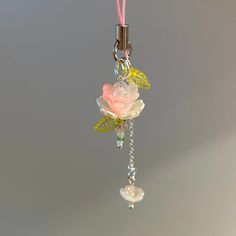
(58, 177)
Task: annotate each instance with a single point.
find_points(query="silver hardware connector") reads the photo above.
(122, 36)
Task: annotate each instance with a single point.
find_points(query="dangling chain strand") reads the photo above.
(131, 167)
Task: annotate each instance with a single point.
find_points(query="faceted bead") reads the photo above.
(120, 137)
(120, 134)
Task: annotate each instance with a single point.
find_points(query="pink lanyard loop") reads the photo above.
(121, 15)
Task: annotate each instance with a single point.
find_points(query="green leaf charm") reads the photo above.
(106, 124)
(139, 78)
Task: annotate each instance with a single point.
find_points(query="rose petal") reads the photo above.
(107, 88)
(120, 108)
(107, 92)
(104, 108)
(134, 111)
(120, 89)
(120, 98)
(133, 92)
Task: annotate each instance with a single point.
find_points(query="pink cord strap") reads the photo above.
(121, 15)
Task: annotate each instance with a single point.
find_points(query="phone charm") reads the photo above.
(120, 103)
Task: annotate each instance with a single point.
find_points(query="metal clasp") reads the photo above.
(122, 41)
(122, 44)
(122, 36)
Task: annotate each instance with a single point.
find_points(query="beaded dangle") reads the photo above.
(119, 103)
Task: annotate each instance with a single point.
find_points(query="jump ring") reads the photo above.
(125, 68)
(115, 50)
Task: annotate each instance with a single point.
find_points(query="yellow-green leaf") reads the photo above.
(106, 124)
(139, 78)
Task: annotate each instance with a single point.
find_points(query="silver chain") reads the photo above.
(131, 167)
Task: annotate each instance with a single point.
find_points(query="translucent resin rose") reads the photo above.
(120, 101)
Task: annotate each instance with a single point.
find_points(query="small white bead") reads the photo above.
(132, 193)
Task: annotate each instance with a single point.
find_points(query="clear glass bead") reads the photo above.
(132, 194)
(120, 134)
